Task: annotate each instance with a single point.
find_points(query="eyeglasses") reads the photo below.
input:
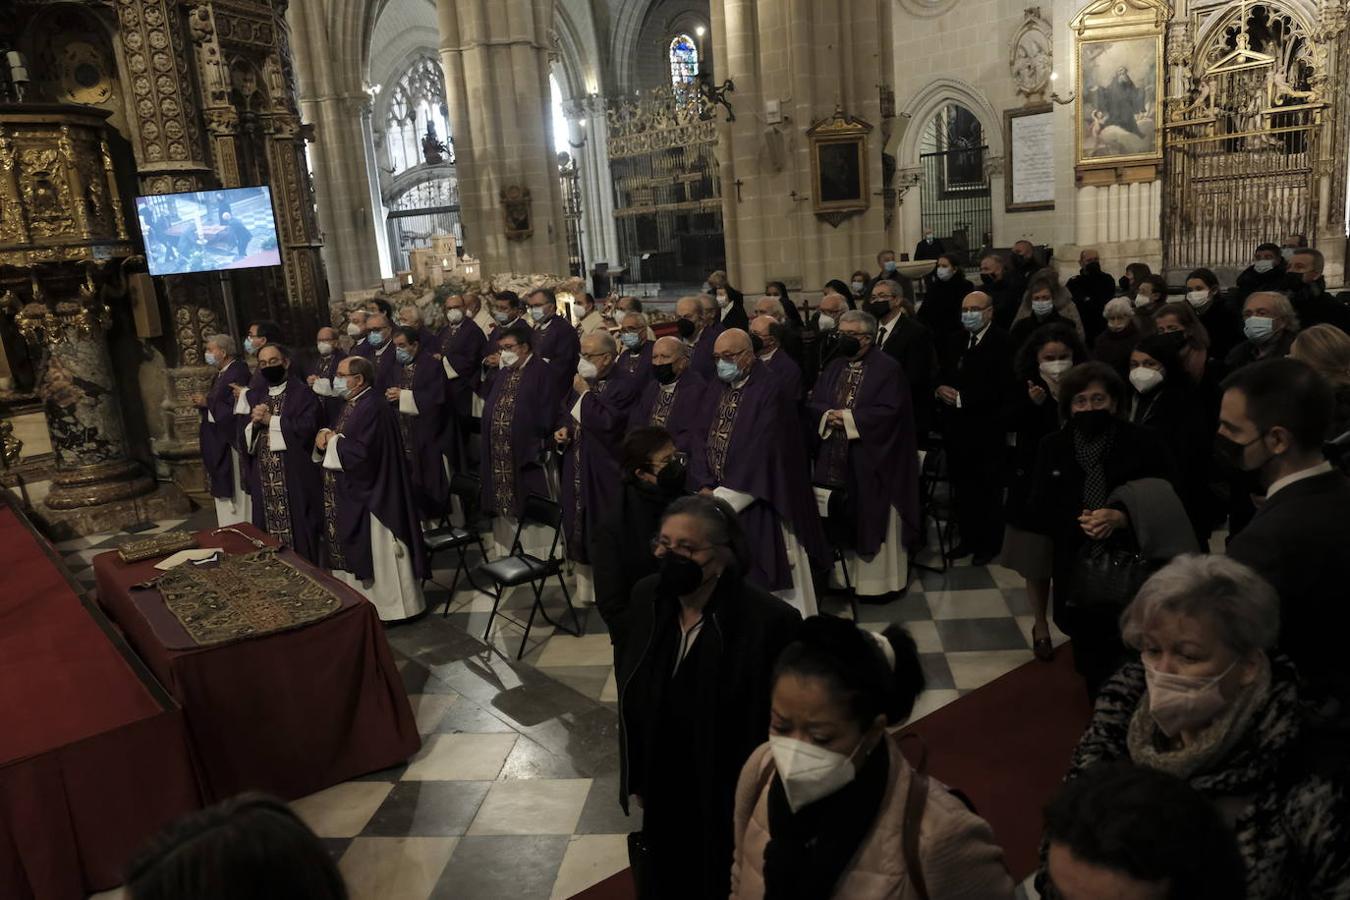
(729, 357)
(595, 355)
(681, 458)
(661, 546)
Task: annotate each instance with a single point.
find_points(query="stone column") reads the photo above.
(495, 56)
(790, 54)
(588, 139)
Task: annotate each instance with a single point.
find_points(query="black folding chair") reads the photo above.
(522, 568)
(936, 506)
(451, 537)
(840, 526)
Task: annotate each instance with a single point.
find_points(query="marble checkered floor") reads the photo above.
(515, 790)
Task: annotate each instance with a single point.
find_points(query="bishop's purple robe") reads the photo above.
(753, 445)
(591, 477)
(325, 369)
(219, 431)
(373, 481)
(880, 468)
(701, 356)
(421, 423)
(519, 412)
(387, 367)
(461, 348)
(556, 343)
(363, 349)
(284, 482)
(679, 410)
(788, 373)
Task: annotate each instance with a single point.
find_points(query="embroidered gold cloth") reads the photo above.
(272, 475)
(336, 558)
(405, 421)
(244, 596)
(719, 435)
(501, 452)
(836, 445)
(665, 401)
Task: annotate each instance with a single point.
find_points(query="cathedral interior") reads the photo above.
(175, 169)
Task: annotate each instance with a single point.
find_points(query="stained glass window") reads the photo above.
(683, 61)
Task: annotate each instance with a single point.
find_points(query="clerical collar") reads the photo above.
(768, 356)
(737, 385)
(352, 400)
(383, 347)
(274, 391)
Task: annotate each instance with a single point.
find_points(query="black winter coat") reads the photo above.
(621, 555)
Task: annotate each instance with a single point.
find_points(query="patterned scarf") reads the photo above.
(1090, 452)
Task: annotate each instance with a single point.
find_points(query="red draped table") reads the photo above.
(93, 753)
(289, 712)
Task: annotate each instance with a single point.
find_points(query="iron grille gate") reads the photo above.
(411, 229)
(954, 199)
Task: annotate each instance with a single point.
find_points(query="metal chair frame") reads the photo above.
(461, 486)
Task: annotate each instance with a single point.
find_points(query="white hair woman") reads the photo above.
(1113, 345)
(1211, 702)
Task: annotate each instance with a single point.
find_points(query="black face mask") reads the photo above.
(1294, 281)
(679, 575)
(1228, 455)
(848, 346)
(1092, 268)
(273, 375)
(987, 279)
(879, 309)
(1175, 340)
(664, 373)
(671, 478)
(1093, 422)
(756, 344)
(685, 328)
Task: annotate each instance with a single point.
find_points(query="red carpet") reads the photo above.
(1006, 746)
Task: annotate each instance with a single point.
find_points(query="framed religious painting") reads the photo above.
(1118, 55)
(839, 167)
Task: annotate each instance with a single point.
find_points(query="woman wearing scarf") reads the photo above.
(1077, 468)
(1210, 702)
(829, 807)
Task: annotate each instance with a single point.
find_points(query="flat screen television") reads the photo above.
(208, 231)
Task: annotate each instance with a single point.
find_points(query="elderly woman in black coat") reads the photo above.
(1077, 468)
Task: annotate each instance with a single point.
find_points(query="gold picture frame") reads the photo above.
(839, 167)
(1119, 69)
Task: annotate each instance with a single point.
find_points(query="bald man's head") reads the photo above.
(765, 328)
(734, 354)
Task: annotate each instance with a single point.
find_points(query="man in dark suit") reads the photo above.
(1003, 285)
(1272, 421)
(975, 391)
(1091, 289)
(909, 342)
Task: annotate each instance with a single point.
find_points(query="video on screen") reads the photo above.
(207, 231)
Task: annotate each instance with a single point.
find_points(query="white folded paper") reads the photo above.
(201, 554)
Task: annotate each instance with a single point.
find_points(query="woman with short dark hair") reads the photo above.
(250, 846)
(694, 683)
(825, 807)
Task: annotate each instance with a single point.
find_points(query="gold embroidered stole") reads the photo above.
(405, 421)
(336, 558)
(272, 472)
(665, 402)
(836, 445)
(501, 457)
(719, 436)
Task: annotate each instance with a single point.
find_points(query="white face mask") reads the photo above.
(723, 299)
(944, 273)
(1197, 299)
(454, 316)
(1263, 265)
(353, 330)
(826, 322)
(809, 772)
(1052, 370)
(325, 348)
(507, 359)
(1042, 307)
(1142, 300)
(587, 369)
(1183, 702)
(1145, 379)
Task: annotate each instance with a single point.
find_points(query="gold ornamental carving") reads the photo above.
(657, 120)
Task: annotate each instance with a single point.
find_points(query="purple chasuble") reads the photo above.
(422, 433)
(388, 370)
(637, 365)
(463, 347)
(326, 367)
(363, 349)
(881, 468)
(373, 481)
(679, 410)
(701, 356)
(753, 445)
(217, 437)
(519, 412)
(285, 484)
(788, 373)
(590, 474)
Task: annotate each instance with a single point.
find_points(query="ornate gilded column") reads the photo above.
(61, 238)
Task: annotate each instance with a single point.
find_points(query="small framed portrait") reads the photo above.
(839, 166)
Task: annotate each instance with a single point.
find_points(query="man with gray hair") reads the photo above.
(591, 431)
(673, 398)
(867, 460)
(1269, 324)
(219, 432)
(410, 316)
(635, 348)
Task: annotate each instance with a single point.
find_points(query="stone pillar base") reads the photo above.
(165, 501)
(97, 485)
(185, 470)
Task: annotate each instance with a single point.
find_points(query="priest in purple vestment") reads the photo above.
(592, 425)
(411, 317)
(862, 412)
(382, 355)
(460, 348)
(635, 350)
(419, 398)
(283, 481)
(753, 458)
(371, 538)
(775, 358)
(219, 435)
(519, 412)
(555, 340)
(260, 333)
(673, 398)
(710, 328)
(358, 333)
(318, 372)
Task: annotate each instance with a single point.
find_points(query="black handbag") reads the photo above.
(1107, 575)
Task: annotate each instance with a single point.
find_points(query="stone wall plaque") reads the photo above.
(1029, 135)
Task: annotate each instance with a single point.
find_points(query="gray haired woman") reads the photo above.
(1210, 702)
